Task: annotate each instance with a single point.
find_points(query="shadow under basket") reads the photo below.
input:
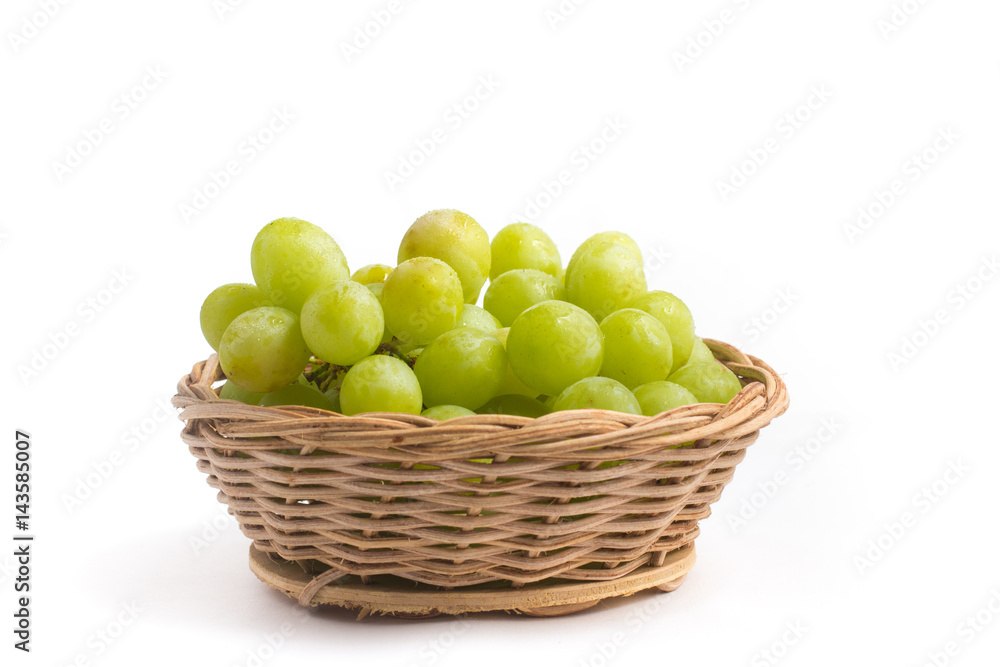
(400, 514)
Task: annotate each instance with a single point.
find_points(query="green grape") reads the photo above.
(637, 348)
(461, 367)
(618, 238)
(263, 349)
(675, 316)
(657, 397)
(524, 246)
(342, 322)
(380, 384)
(371, 274)
(710, 382)
(233, 393)
(554, 344)
(597, 393)
(291, 258)
(606, 278)
(456, 239)
(376, 289)
(297, 394)
(515, 291)
(514, 404)
(700, 353)
(421, 299)
(222, 306)
(445, 412)
(475, 317)
(511, 383)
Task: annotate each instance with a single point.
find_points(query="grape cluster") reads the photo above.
(411, 338)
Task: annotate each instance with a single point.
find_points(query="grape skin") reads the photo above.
(710, 382)
(342, 323)
(456, 239)
(462, 367)
(515, 291)
(607, 277)
(371, 274)
(263, 350)
(597, 393)
(637, 348)
(511, 383)
(675, 316)
(224, 304)
(475, 317)
(657, 397)
(421, 299)
(445, 412)
(380, 384)
(524, 246)
(297, 394)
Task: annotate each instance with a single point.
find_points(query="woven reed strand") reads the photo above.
(396, 494)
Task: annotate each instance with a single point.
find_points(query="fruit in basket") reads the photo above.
(263, 349)
(461, 367)
(475, 317)
(597, 393)
(637, 348)
(297, 394)
(675, 316)
(224, 304)
(371, 274)
(421, 299)
(291, 258)
(380, 383)
(514, 404)
(515, 291)
(232, 392)
(446, 412)
(511, 383)
(710, 382)
(524, 246)
(618, 238)
(700, 353)
(660, 396)
(606, 277)
(456, 239)
(554, 344)
(342, 323)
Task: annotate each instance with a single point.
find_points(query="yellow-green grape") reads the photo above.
(515, 291)
(619, 238)
(524, 246)
(475, 317)
(637, 348)
(554, 344)
(511, 383)
(297, 394)
(342, 323)
(456, 239)
(514, 404)
(700, 353)
(446, 412)
(461, 367)
(292, 258)
(675, 316)
(263, 350)
(380, 384)
(607, 277)
(597, 393)
(233, 393)
(657, 397)
(421, 299)
(710, 382)
(376, 289)
(224, 304)
(371, 273)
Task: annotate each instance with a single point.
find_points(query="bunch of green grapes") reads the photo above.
(413, 338)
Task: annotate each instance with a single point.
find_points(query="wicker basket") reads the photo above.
(402, 514)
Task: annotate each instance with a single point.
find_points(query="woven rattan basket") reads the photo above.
(401, 514)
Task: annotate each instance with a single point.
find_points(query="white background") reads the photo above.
(773, 266)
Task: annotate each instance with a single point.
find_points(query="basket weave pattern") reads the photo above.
(586, 495)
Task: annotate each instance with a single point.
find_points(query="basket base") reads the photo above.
(419, 601)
